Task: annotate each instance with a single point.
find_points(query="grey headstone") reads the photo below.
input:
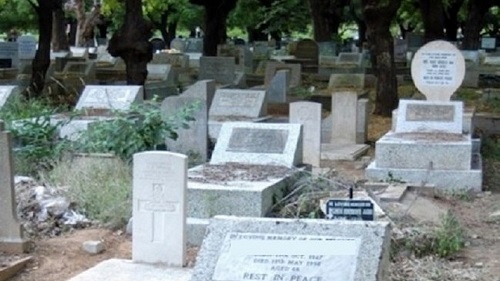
(273, 67)
(347, 80)
(10, 50)
(279, 86)
(259, 143)
(220, 69)
(194, 45)
(234, 102)
(271, 249)
(178, 44)
(27, 47)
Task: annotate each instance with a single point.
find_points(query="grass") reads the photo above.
(101, 187)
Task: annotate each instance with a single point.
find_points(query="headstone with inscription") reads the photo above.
(109, 97)
(159, 208)
(309, 115)
(293, 250)
(11, 231)
(259, 143)
(238, 103)
(427, 142)
(220, 69)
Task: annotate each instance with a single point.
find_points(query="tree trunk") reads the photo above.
(451, 19)
(477, 10)
(91, 21)
(131, 43)
(382, 50)
(257, 33)
(326, 16)
(172, 32)
(80, 18)
(432, 13)
(216, 13)
(59, 36)
(361, 33)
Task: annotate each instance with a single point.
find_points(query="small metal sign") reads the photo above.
(340, 209)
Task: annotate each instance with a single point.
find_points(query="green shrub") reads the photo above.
(449, 237)
(141, 128)
(101, 188)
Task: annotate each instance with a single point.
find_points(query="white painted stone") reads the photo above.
(235, 102)
(6, 92)
(110, 97)
(159, 208)
(429, 117)
(344, 115)
(438, 69)
(309, 115)
(259, 143)
(93, 247)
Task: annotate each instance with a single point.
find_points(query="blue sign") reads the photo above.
(348, 209)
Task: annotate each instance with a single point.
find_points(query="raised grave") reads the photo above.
(109, 97)
(293, 250)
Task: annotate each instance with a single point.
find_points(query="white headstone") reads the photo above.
(259, 144)
(438, 69)
(309, 115)
(110, 97)
(27, 47)
(344, 117)
(159, 208)
(429, 117)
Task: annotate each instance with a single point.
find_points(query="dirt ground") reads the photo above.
(61, 258)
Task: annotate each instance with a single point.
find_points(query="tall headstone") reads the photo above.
(344, 115)
(159, 208)
(11, 232)
(194, 139)
(294, 68)
(279, 86)
(309, 115)
(27, 47)
(438, 69)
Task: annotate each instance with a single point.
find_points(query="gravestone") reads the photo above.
(6, 93)
(159, 208)
(350, 59)
(220, 69)
(203, 90)
(400, 49)
(161, 72)
(471, 57)
(109, 97)
(192, 141)
(180, 61)
(438, 69)
(158, 44)
(270, 249)
(279, 86)
(238, 103)
(261, 49)
(11, 232)
(309, 115)
(237, 52)
(295, 72)
(178, 44)
(344, 115)
(27, 47)
(488, 43)
(194, 45)
(9, 55)
(259, 143)
(79, 52)
(328, 49)
(414, 40)
(346, 80)
(307, 54)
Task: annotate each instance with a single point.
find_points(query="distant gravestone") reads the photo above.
(270, 249)
(350, 59)
(488, 43)
(159, 208)
(309, 115)
(241, 103)
(471, 58)
(27, 47)
(110, 97)
(6, 93)
(160, 72)
(9, 55)
(178, 44)
(344, 116)
(307, 49)
(79, 52)
(424, 116)
(175, 60)
(158, 44)
(240, 54)
(400, 49)
(279, 86)
(259, 144)
(220, 69)
(273, 67)
(11, 232)
(438, 69)
(328, 49)
(346, 80)
(414, 40)
(194, 45)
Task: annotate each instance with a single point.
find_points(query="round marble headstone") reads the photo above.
(438, 69)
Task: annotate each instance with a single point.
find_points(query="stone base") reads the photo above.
(126, 270)
(215, 126)
(349, 152)
(417, 150)
(14, 247)
(235, 198)
(443, 179)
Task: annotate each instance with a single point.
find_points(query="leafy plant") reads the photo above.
(449, 237)
(141, 128)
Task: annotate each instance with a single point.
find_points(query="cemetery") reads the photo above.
(298, 158)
